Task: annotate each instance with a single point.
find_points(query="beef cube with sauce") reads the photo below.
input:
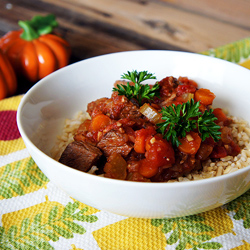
(117, 107)
(80, 155)
(115, 142)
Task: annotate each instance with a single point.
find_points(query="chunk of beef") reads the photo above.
(168, 85)
(168, 90)
(80, 155)
(81, 137)
(116, 107)
(130, 111)
(96, 106)
(115, 142)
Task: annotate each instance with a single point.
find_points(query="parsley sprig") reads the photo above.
(138, 91)
(186, 117)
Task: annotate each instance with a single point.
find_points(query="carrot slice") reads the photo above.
(190, 143)
(146, 169)
(205, 96)
(99, 122)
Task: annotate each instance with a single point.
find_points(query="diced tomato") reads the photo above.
(185, 80)
(205, 96)
(190, 143)
(218, 152)
(148, 142)
(182, 89)
(160, 153)
(141, 137)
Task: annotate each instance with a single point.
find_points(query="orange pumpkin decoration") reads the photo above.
(33, 51)
(8, 81)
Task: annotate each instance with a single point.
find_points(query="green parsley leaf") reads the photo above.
(184, 118)
(138, 91)
(138, 77)
(207, 127)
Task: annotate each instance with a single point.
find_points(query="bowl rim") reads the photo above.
(116, 181)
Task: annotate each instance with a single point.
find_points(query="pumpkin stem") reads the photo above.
(37, 26)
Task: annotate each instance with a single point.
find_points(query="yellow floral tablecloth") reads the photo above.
(35, 214)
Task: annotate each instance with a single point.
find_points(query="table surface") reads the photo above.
(98, 27)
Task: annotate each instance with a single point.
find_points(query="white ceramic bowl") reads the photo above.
(60, 95)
